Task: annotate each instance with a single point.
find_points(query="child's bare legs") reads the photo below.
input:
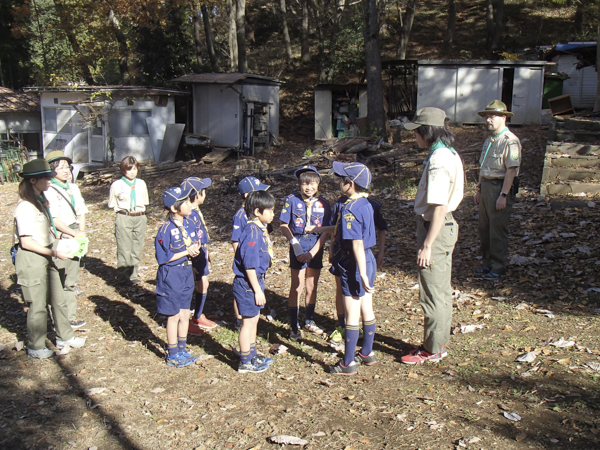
(177, 330)
(238, 316)
(340, 308)
(311, 282)
(296, 288)
(247, 337)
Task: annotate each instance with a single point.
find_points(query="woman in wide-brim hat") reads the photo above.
(36, 274)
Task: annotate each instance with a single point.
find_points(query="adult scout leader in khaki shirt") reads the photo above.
(499, 165)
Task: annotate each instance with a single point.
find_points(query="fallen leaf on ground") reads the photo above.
(19, 346)
(561, 343)
(464, 442)
(157, 390)
(512, 416)
(93, 391)
(284, 439)
(521, 437)
(527, 357)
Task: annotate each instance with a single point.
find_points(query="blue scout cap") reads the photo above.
(173, 195)
(250, 184)
(357, 172)
(195, 184)
(301, 170)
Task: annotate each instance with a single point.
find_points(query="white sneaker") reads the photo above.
(42, 353)
(313, 327)
(74, 342)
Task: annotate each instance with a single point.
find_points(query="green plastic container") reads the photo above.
(553, 87)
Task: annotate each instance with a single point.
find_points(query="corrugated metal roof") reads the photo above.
(135, 90)
(427, 62)
(11, 101)
(223, 78)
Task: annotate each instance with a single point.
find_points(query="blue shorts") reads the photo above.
(244, 296)
(350, 276)
(335, 270)
(307, 241)
(174, 289)
(200, 263)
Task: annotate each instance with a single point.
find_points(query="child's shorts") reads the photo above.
(200, 263)
(307, 241)
(350, 276)
(244, 296)
(174, 288)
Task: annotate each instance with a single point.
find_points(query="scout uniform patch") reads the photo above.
(513, 149)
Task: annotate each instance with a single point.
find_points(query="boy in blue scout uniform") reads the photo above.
(251, 262)
(240, 219)
(201, 263)
(354, 236)
(305, 209)
(381, 227)
(175, 244)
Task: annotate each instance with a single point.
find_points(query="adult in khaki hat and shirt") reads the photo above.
(499, 165)
(68, 210)
(439, 194)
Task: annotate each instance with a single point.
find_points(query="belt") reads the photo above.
(183, 264)
(132, 214)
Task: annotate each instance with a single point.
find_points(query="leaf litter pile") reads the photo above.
(524, 355)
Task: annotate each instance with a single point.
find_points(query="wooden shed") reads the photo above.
(461, 88)
(101, 124)
(20, 120)
(235, 110)
(338, 108)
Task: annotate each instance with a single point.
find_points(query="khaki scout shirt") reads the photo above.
(498, 154)
(120, 196)
(32, 222)
(442, 183)
(60, 203)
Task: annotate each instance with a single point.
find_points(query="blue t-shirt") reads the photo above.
(240, 219)
(252, 252)
(379, 220)
(201, 232)
(169, 240)
(355, 222)
(294, 213)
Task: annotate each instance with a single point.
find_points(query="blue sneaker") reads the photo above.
(491, 276)
(482, 271)
(178, 361)
(260, 360)
(187, 355)
(252, 367)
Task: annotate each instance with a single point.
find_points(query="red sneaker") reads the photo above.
(420, 355)
(195, 329)
(204, 323)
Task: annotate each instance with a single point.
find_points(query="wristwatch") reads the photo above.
(503, 194)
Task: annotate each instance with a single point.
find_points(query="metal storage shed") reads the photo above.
(461, 88)
(20, 119)
(236, 110)
(582, 83)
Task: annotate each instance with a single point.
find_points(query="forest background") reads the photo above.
(150, 42)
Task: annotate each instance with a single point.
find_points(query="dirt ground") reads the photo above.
(117, 391)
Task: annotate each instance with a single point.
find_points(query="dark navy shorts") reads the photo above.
(307, 241)
(350, 276)
(174, 289)
(244, 296)
(200, 263)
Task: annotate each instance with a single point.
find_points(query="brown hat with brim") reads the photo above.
(57, 155)
(38, 168)
(431, 116)
(495, 107)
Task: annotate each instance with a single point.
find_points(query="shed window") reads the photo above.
(120, 123)
(50, 119)
(139, 127)
(57, 120)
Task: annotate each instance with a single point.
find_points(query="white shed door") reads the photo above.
(527, 95)
(323, 114)
(476, 87)
(437, 88)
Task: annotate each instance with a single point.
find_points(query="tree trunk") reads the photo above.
(321, 37)
(214, 60)
(233, 47)
(597, 103)
(449, 38)
(375, 113)
(498, 25)
(286, 31)
(67, 27)
(197, 32)
(304, 45)
(409, 18)
(489, 23)
(579, 18)
(240, 25)
(123, 48)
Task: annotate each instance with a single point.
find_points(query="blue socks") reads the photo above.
(246, 356)
(199, 307)
(341, 320)
(173, 350)
(252, 350)
(294, 318)
(181, 342)
(309, 312)
(368, 337)
(351, 340)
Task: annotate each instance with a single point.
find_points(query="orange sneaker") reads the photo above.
(195, 329)
(204, 323)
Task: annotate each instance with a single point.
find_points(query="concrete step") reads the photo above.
(572, 148)
(574, 135)
(578, 124)
(549, 174)
(570, 188)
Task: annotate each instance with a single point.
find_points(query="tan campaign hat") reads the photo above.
(431, 116)
(495, 107)
(57, 155)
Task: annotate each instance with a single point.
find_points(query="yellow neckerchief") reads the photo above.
(263, 228)
(310, 201)
(187, 240)
(352, 197)
(202, 219)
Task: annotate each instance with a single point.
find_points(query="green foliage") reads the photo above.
(345, 53)
(308, 153)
